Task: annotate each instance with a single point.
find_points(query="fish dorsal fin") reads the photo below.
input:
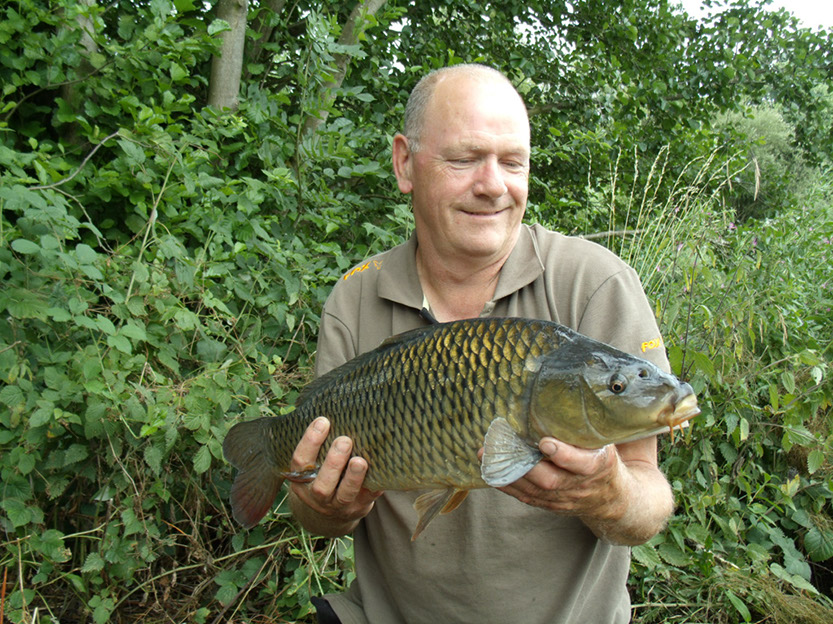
(360, 360)
(506, 456)
(435, 502)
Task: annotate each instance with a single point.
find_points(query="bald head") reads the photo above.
(420, 98)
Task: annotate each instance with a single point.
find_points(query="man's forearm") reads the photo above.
(642, 510)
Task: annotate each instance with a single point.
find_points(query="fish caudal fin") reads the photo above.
(506, 456)
(435, 502)
(258, 480)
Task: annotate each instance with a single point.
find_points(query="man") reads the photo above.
(551, 547)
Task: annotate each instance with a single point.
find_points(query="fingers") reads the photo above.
(306, 453)
(578, 461)
(352, 480)
(569, 480)
(337, 490)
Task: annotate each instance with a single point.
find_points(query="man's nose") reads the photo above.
(490, 180)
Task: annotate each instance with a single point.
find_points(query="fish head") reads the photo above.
(604, 396)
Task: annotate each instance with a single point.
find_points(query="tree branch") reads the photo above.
(349, 36)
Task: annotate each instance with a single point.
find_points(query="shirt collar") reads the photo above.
(399, 282)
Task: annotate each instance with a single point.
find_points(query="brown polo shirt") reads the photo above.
(493, 559)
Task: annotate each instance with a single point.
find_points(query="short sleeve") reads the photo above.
(619, 314)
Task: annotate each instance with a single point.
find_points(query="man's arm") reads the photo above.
(618, 491)
(335, 501)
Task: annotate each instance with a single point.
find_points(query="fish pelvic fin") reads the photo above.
(506, 456)
(435, 502)
(258, 480)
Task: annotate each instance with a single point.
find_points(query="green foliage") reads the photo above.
(777, 173)
(745, 311)
(164, 268)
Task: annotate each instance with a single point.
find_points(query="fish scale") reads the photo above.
(420, 407)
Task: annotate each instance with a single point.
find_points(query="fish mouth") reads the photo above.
(683, 410)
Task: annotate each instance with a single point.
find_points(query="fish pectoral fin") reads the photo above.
(506, 456)
(435, 502)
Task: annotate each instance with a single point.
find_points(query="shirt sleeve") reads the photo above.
(335, 343)
(619, 314)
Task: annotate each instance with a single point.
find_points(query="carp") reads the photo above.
(421, 405)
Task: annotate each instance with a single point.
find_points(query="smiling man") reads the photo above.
(551, 547)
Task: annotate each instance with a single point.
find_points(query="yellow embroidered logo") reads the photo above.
(651, 344)
(376, 264)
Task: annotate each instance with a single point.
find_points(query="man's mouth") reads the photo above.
(485, 213)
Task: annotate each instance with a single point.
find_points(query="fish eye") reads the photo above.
(617, 384)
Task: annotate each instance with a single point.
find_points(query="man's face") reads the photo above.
(469, 178)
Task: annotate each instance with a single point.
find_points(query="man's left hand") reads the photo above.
(574, 481)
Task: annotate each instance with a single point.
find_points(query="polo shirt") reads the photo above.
(494, 559)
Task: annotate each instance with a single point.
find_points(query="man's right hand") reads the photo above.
(334, 502)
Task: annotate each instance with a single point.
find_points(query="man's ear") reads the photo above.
(402, 160)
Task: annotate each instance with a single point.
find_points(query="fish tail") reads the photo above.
(258, 479)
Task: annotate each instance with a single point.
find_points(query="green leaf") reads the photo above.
(647, 555)
(41, 416)
(153, 456)
(17, 513)
(103, 610)
(132, 524)
(135, 153)
(22, 303)
(77, 583)
(132, 330)
(51, 544)
(671, 554)
(121, 343)
(59, 315)
(26, 247)
(739, 605)
(26, 464)
(226, 594)
(793, 579)
(819, 544)
(76, 453)
(12, 396)
(202, 460)
(218, 26)
(105, 325)
(85, 254)
(185, 319)
(178, 72)
(788, 380)
(815, 460)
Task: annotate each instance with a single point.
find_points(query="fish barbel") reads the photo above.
(421, 405)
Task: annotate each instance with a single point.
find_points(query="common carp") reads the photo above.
(420, 406)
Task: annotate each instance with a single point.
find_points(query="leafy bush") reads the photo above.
(776, 174)
(164, 266)
(746, 312)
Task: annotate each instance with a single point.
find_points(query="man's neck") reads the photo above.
(458, 291)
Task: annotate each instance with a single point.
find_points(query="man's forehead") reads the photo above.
(514, 142)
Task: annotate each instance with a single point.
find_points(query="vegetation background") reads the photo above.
(182, 182)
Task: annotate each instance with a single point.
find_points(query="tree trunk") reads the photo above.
(69, 91)
(349, 36)
(227, 67)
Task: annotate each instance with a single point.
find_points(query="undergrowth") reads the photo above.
(745, 310)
